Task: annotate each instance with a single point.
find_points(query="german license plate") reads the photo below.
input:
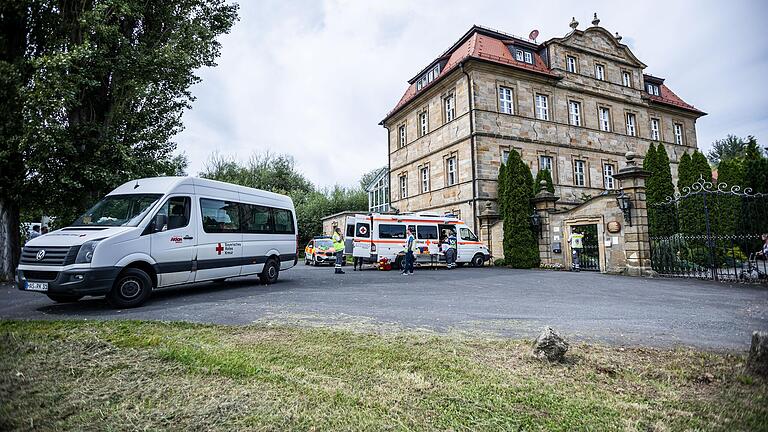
(37, 286)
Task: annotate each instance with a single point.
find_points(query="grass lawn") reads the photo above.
(127, 375)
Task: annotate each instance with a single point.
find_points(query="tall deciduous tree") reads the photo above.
(515, 193)
(95, 91)
(730, 147)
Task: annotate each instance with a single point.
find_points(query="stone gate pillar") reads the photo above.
(543, 204)
(637, 242)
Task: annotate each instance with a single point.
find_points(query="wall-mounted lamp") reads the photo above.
(624, 202)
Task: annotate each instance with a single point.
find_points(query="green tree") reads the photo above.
(659, 186)
(515, 193)
(727, 208)
(547, 177)
(730, 147)
(93, 92)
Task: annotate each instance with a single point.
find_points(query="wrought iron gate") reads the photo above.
(589, 258)
(710, 231)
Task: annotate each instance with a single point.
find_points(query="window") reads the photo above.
(176, 210)
(450, 171)
(519, 55)
(652, 89)
(467, 235)
(655, 131)
(528, 57)
(545, 163)
(403, 186)
(570, 62)
(578, 172)
(608, 176)
(626, 79)
(362, 230)
(428, 77)
(505, 100)
(256, 219)
(378, 195)
(426, 232)
(504, 156)
(391, 231)
(574, 111)
(118, 210)
(678, 133)
(424, 174)
(542, 107)
(220, 216)
(283, 221)
(423, 123)
(450, 108)
(605, 119)
(631, 129)
(600, 72)
(401, 136)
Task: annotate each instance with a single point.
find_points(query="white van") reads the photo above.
(162, 231)
(376, 236)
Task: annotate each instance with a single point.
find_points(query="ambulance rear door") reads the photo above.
(362, 241)
(349, 235)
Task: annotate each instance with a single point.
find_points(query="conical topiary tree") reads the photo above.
(547, 177)
(661, 219)
(521, 248)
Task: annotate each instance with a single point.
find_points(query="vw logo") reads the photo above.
(40, 254)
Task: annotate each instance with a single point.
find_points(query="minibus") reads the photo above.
(375, 236)
(159, 232)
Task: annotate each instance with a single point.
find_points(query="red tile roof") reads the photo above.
(492, 46)
(668, 97)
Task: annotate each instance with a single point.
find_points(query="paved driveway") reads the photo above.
(487, 301)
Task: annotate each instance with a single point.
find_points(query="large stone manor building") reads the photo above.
(574, 105)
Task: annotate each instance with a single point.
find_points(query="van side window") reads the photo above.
(220, 216)
(350, 231)
(283, 221)
(426, 232)
(466, 234)
(387, 231)
(256, 219)
(177, 210)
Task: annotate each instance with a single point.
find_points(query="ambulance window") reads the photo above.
(256, 219)
(387, 231)
(427, 232)
(220, 216)
(283, 221)
(363, 230)
(350, 230)
(466, 234)
(177, 211)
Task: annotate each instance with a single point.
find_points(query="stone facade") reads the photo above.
(480, 132)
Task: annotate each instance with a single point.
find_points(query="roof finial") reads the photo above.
(596, 20)
(618, 37)
(574, 23)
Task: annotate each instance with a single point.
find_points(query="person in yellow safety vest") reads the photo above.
(338, 245)
(576, 240)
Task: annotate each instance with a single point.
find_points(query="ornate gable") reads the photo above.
(598, 40)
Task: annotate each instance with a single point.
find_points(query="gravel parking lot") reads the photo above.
(485, 301)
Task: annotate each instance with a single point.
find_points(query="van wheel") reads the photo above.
(270, 273)
(398, 263)
(478, 260)
(132, 288)
(64, 298)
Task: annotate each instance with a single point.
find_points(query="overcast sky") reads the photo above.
(312, 79)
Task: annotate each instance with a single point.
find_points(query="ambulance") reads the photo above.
(375, 236)
(163, 231)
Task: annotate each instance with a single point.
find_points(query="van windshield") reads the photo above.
(118, 210)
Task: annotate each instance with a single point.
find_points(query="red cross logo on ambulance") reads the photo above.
(363, 230)
(219, 249)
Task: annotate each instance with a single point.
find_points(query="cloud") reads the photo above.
(313, 79)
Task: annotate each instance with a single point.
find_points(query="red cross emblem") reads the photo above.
(219, 249)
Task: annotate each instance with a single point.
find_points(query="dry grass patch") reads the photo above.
(147, 376)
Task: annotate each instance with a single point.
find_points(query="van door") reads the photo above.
(362, 244)
(220, 243)
(468, 245)
(173, 241)
(427, 237)
(349, 236)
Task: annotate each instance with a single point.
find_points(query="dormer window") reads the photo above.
(600, 72)
(428, 77)
(652, 89)
(523, 56)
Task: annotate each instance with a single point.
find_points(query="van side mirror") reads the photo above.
(159, 222)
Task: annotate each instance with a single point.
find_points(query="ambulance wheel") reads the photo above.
(270, 273)
(478, 260)
(64, 298)
(132, 288)
(398, 263)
